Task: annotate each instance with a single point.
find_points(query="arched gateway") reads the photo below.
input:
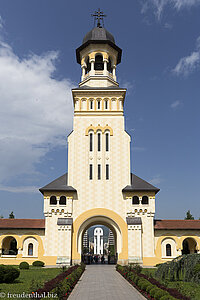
(104, 217)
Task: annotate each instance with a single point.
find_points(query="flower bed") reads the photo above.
(62, 284)
(149, 287)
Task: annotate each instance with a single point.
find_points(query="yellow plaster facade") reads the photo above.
(99, 187)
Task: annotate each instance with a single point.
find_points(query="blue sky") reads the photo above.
(160, 67)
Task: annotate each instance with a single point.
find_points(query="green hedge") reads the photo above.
(149, 285)
(38, 263)
(8, 274)
(167, 298)
(65, 287)
(24, 265)
(153, 291)
(185, 267)
(160, 293)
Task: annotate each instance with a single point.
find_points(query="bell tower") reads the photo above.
(98, 188)
(98, 56)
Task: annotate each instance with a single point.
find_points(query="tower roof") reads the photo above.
(138, 184)
(98, 34)
(59, 184)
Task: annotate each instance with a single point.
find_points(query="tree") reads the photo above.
(189, 216)
(1, 216)
(85, 250)
(111, 250)
(11, 215)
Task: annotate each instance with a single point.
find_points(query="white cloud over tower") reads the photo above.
(36, 110)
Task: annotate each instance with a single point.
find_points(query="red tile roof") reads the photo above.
(177, 224)
(22, 223)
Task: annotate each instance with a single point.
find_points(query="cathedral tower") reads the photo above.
(99, 187)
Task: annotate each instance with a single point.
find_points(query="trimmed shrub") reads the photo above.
(142, 284)
(160, 294)
(24, 265)
(167, 297)
(183, 267)
(153, 291)
(136, 279)
(65, 281)
(196, 268)
(135, 267)
(38, 263)
(65, 286)
(8, 274)
(155, 284)
(1, 273)
(132, 277)
(150, 287)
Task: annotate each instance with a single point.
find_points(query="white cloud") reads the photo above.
(155, 180)
(188, 64)
(127, 85)
(159, 5)
(178, 4)
(175, 104)
(19, 189)
(36, 111)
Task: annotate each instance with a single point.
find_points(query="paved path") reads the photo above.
(103, 282)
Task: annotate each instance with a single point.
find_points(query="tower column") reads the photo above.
(114, 72)
(92, 60)
(83, 72)
(105, 69)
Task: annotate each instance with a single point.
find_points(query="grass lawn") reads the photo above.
(188, 289)
(29, 280)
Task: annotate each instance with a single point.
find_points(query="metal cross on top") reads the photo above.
(98, 15)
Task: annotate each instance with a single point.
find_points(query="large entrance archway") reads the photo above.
(99, 245)
(104, 217)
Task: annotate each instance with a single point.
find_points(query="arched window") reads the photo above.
(98, 104)
(90, 171)
(135, 200)
(30, 249)
(106, 104)
(99, 141)
(145, 200)
(62, 200)
(99, 172)
(53, 200)
(91, 104)
(107, 172)
(107, 141)
(91, 141)
(168, 250)
(98, 65)
(88, 65)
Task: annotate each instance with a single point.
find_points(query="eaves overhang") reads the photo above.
(79, 49)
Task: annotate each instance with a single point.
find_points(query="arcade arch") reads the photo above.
(9, 246)
(189, 246)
